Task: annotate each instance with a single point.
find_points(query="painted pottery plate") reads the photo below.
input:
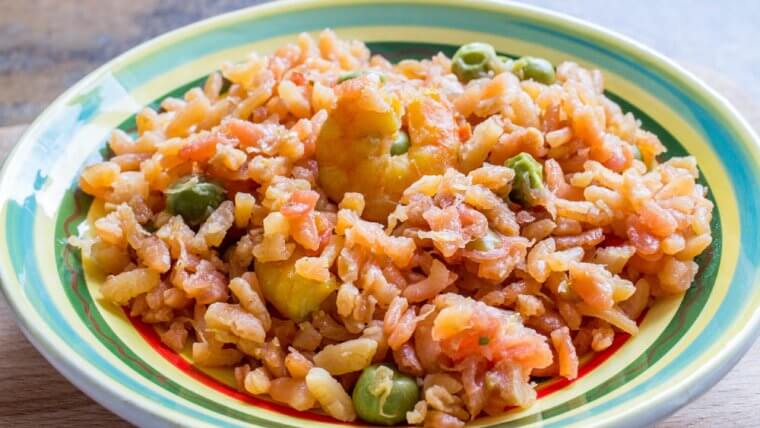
(685, 344)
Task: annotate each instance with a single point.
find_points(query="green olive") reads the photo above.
(528, 177)
(383, 395)
(491, 240)
(194, 198)
(401, 144)
(532, 68)
(472, 61)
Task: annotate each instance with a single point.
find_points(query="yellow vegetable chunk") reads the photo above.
(293, 295)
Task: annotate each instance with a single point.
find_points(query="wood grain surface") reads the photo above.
(33, 394)
(48, 45)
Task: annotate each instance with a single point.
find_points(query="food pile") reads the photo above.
(411, 243)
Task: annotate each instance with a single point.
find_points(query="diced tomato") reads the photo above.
(200, 149)
(300, 203)
(247, 133)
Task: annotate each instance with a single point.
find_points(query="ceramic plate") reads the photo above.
(686, 344)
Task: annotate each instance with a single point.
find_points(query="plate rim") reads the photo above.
(102, 389)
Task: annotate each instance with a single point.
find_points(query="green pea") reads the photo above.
(401, 144)
(383, 395)
(528, 177)
(532, 68)
(472, 61)
(491, 240)
(194, 198)
(636, 152)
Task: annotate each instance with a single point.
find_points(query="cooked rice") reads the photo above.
(609, 235)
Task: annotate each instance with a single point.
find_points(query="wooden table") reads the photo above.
(33, 394)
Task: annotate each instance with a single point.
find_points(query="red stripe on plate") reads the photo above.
(151, 337)
(559, 382)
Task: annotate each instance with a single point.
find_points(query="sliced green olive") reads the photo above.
(194, 198)
(472, 61)
(383, 395)
(528, 177)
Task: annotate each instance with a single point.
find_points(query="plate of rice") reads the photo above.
(377, 214)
